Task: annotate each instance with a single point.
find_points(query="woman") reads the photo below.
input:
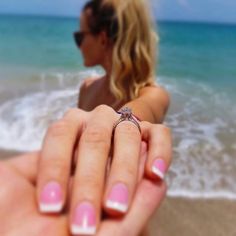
(118, 35)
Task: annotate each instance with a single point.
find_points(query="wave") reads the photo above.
(24, 120)
(202, 195)
(204, 136)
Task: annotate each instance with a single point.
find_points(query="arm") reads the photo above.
(151, 105)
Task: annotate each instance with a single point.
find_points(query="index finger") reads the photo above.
(56, 159)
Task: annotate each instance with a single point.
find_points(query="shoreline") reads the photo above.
(180, 216)
(5, 154)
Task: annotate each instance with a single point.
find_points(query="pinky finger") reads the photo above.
(147, 200)
(159, 150)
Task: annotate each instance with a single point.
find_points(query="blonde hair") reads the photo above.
(130, 27)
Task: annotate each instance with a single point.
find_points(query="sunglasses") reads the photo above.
(79, 37)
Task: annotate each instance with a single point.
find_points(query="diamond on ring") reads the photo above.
(126, 115)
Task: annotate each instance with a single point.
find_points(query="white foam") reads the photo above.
(202, 195)
(203, 163)
(24, 121)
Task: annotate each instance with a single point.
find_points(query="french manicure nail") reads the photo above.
(159, 168)
(118, 198)
(51, 198)
(84, 221)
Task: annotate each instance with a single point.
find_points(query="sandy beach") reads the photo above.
(187, 217)
(4, 154)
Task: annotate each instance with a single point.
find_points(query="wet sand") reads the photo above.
(8, 154)
(187, 217)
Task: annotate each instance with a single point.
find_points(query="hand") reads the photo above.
(19, 214)
(91, 133)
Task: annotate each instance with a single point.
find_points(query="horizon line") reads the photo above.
(156, 19)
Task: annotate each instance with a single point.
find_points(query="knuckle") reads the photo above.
(125, 169)
(56, 167)
(101, 107)
(130, 171)
(95, 134)
(59, 128)
(129, 130)
(104, 109)
(164, 129)
(146, 123)
(92, 181)
(71, 112)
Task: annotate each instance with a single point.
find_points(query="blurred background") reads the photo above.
(41, 70)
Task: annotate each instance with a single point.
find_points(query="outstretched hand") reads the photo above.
(94, 137)
(19, 213)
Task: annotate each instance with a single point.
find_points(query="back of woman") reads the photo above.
(119, 36)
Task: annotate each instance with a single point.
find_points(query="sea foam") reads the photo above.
(203, 136)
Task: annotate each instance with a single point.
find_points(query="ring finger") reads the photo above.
(124, 169)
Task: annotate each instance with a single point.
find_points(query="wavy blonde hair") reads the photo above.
(130, 26)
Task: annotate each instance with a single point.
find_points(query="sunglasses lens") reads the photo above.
(78, 36)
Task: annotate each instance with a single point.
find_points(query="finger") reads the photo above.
(14, 192)
(88, 185)
(143, 157)
(159, 149)
(56, 159)
(142, 162)
(123, 176)
(26, 165)
(147, 199)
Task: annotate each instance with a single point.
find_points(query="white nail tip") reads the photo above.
(157, 172)
(77, 230)
(117, 206)
(50, 208)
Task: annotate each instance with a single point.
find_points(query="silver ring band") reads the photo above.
(126, 115)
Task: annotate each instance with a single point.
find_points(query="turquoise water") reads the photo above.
(38, 42)
(205, 52)
(41, 70)
(190, 50)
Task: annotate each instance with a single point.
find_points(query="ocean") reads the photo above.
(41, 71)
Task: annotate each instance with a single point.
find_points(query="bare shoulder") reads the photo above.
(155, 92)
(86, 89)
(88, 82)
(157, 99)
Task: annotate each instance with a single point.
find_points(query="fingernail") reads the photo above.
(159, 168)
(51, 198)
(84, 221)
(118, 198)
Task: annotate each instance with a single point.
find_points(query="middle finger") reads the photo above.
(93, 151)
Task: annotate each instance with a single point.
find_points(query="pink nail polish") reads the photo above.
(159, 168)
(51, 198)
(118, 198)
(84, 221)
